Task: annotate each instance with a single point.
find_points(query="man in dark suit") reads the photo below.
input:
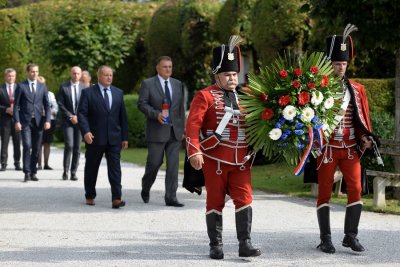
(104, 126)
(68, 100)
(31, 99)
(161, 136)
(7, 128)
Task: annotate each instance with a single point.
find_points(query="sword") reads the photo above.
(377, 154)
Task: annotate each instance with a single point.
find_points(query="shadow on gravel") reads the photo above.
(72, 199)
(278, 247)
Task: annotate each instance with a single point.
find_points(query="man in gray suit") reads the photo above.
(68, 100)
(162, 135)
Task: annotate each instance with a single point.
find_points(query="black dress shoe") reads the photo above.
(145, 196)
(117, 203)
(174, 203)
(27, 177)
(18, 168)
(34, 177)
(65, 176)
(39, 167)
(73, 177)
(3, 168)
(47, 167)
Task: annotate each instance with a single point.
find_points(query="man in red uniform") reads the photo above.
(216, 143)
(351, 136)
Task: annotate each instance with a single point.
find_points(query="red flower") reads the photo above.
(263, 97)
(296, 84)
(283, 74)
(311, 85)
(324, 81)
(304, 98)
(297, 72)
(314, 69)
(267, 114)
(284, 100)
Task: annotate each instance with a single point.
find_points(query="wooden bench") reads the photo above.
(383, 178)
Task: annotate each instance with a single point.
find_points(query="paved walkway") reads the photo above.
(46, 223)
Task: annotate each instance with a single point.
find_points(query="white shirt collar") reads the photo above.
(30, 82)
(72, 84)
(162, 80)
(102, 87)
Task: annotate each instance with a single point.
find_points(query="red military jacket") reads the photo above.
(360, 114)
(206, 112)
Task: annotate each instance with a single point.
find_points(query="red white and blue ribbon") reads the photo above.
(300, 167)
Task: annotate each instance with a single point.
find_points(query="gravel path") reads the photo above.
(46, 223)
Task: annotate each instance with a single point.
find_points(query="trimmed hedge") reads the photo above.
(184, 30)
(239, 24)
(96, 32)
(380, 94)
(136, 122)
(15, 34)
(277, 26)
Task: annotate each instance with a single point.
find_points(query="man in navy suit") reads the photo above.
(104, 126)
(7, 128)
(31, 100)
(68, 100)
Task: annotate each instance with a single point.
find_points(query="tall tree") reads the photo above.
(378, 24)
(278, 26)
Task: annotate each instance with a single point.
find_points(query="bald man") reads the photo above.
(68, 100)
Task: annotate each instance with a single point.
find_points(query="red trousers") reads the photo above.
(349, 164)
(232, 181)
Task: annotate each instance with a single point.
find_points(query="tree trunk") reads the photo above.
(397, 113)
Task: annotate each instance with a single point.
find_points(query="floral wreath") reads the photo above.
(290, 106)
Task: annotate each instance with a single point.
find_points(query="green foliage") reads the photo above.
(278, 26)
(15, 32)
(239, 24)
(89, 36)
(136, 122)
(183, 30)
(374, 42)
(83, 33)
(380, 94)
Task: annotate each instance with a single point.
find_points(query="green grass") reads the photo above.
(275, 178)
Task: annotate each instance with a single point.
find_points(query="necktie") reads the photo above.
(106, 101)
(33, 89)
(230, 99)
(76, 98)
(167, 93)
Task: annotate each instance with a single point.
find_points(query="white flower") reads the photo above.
(289, 112)
(329, 103)
(316, 98)
(307, 114)
(275, 134)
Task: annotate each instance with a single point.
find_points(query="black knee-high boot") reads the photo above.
(351, 221)
(214, 230)
(243, 229)
(325, 230)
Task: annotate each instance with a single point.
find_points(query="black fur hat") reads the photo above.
(340, 47)
(227, 57)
